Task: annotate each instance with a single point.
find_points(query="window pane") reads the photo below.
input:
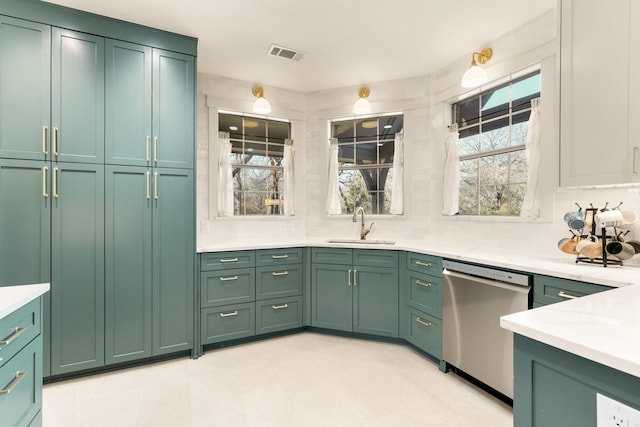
(518, 167)
(344, 130)
(255, 129)
(519, 132)
(346, 154)
(367, 129)
(494, 170)
(386, 151)
(468, 112)
(353, 191)
(276, 153)
(468, 199)
(469, 141)
(278, 131)
(230, 123)
(495, 134)
(526, 89)
(367, 153)
(495, 103)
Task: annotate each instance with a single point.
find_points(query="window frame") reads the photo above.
(495, 115)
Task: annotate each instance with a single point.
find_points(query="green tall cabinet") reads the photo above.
(97, 137)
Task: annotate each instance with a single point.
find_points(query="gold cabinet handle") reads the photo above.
(227, 279)
(148, 185)
(229, 260)
(155, 185)
(280, 307)
(279, 256)
(565, 295)
(422, 322)
(14, 335)
(233, 313)
(20, 375)
(55, 141)
(425, 284)
(55, 183)
(148, 148)
(45, 170)
(349, 277)
(45, 128)
(355, 278)
(424, 264)
(280, 273)
(155, 149)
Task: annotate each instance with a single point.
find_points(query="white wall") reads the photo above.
(425, 101)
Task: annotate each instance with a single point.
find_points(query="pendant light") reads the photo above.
(260, 105)
(362, 106)
(475, 76)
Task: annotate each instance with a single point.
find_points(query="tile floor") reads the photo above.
(306, 379)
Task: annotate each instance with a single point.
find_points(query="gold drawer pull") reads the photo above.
(229, 260)
(280, 273)
(279, 256)
(279, 307)
(424, 264)
(19, 377)
(565, 295)
(233, 313)
(422, 322)
(226, 279)
(45, 129)
(16, 333)
(425, 284)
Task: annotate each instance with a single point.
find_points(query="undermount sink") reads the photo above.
(363, 242)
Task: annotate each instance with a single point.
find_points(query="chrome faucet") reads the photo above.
(363, 230)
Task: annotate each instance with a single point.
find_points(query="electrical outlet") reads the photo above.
(204, 226)
(611, 413)
(288, 227)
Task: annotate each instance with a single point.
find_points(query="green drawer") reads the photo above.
(424, 331)
(19, 328)
(228, 322)
(269, 257)
(343, 256)
(225, 287)
(278, 282)
(224, 260)
(23, 374)
(424, 263)
(549, 290)
(375, 258)
(278, 314)
(424, 292)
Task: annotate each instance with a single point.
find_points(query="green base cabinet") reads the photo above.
(278, 314)
(549, 290)
(359, 297)
(228, 322)
(553, 387)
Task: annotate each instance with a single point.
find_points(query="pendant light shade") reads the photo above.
(475, 75)
(362, 106)
(260, 105)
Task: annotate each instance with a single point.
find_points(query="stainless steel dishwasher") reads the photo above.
(474, 297)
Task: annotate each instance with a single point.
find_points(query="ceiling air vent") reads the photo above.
(285, 52)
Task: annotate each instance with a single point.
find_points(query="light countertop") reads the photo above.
(553, 263)
(603, 327)
(14, 297)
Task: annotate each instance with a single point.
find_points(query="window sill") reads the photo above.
(486, 218)
(254, 217)
(367, 216)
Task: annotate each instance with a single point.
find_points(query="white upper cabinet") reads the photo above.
(599, 91)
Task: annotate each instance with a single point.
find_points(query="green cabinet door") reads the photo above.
(332, 297)
(128, 104)
(77, 267)
(127, 263)
(173, 109)
(24, 221)
(25, 88)
(375, 308)
(173, 260)
(77, 103)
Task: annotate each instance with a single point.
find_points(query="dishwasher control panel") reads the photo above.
(488, 272)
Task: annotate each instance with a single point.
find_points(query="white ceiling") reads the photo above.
(346, 42)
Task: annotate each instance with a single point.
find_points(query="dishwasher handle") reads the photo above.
(489, 282)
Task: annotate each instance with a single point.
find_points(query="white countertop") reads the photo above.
(14, 297)
(554, 263)
(603, 327)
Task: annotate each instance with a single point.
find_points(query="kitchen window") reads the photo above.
(257, 153)
(365, 161)
(492, 134)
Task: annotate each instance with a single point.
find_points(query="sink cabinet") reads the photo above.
(355, 290)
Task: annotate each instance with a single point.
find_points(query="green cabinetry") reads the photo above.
(355, 290)
(21, 366)
(552, 385)
(422, 285)
(97, 142)
(247, 293)
(549, 290)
